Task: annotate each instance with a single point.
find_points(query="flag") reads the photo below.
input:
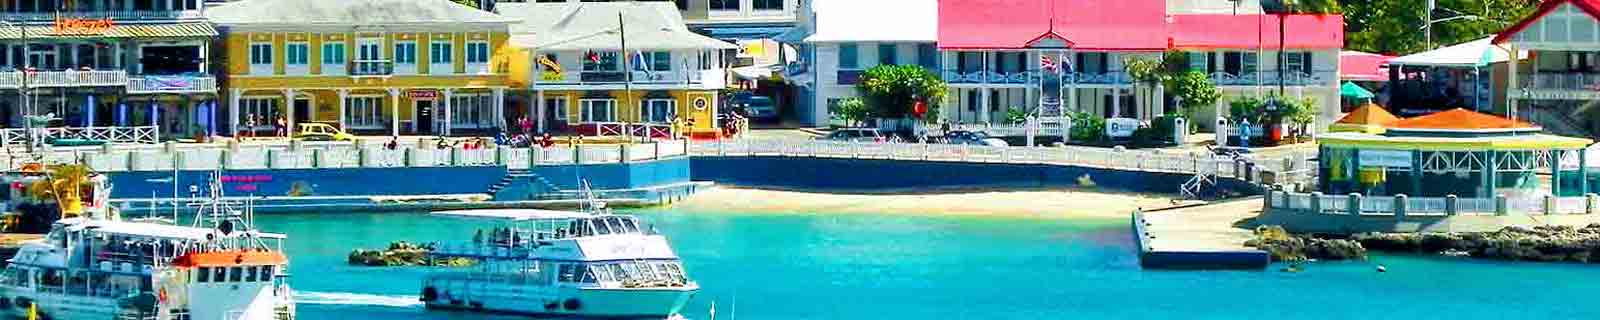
(1046, 64)
(593, 56)
(638, 62)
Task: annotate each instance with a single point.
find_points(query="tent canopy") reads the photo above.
(1351, 90)
(1476, 53)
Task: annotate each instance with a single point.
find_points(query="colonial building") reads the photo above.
(591, 64)
(838, 39)
(107, 63)
(426, 67)
(1558, 87)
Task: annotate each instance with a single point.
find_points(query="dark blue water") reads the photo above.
(830, 266)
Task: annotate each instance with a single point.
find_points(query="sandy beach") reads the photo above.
(1055, 203)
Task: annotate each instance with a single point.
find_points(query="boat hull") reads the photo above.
(613, 303)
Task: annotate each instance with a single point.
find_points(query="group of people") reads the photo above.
(280, 125)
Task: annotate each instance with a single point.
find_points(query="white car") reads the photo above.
(856, 135)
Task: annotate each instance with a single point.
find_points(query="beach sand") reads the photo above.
(1037, 203)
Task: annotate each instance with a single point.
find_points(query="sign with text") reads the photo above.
(1384, 158)
(1121, 127)
(422, 94)
(81, 26)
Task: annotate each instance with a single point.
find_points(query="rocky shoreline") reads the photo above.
(1285, 247)
(1541, 243)
(403, 254)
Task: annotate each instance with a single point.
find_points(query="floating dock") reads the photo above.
(1198, 237)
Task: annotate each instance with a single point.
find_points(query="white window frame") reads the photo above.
(441, 57)
(330, 65)
(472, 110)
(586, 110)
(376, 44)
(261, 58)
(648, 112)
(297, 65)
(366, 111)
(1293, 62)
(405, 57)
(478, 56)
(560, 109)
(265, 106)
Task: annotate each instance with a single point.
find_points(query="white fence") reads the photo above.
(346, 155)
(146, 134)
(1317, 203)
(1015, 130)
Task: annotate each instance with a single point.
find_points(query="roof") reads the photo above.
(1353, 90)
(857, 20)
(1519, 142)
(137, 229)
(1362, 66)
(1461, 120)
(513, 214)
(1305, 31)
(569, 26)
(1591, 7)
(1137, 25)
(1213, 7)
(349, 13)
(1474, 53)
(159, 30)
(231, 258)
(1369, 114)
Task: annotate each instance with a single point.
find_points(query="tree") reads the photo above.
(1144, 72)
(1194, 90)
(892, 91)
(852, 111)
(1395, 26)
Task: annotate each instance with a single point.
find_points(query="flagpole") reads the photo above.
(627, 84)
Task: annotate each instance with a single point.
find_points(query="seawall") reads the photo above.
(834, 174)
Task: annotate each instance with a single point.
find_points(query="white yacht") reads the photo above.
(561, 263)
(100, 268)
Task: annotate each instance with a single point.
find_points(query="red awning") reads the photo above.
(1590, 7)
(1213, 31)
(1085, 25)
(1362, 66)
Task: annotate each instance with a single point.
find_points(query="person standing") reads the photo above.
(250, 125)
(280, 127)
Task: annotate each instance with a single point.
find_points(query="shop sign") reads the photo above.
(81, 26)
(552, 70)
(422, 94)
(162, 83)
(1384, 158)
(1121, 127)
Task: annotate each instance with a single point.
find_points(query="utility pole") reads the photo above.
(1287, 8)
(1427, 25)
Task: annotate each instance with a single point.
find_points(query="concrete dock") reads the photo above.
(1199, 237)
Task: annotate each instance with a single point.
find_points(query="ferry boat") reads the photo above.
(589, 263)
(99, 268)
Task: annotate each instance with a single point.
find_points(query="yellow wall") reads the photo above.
(238, 54)
(628, 106)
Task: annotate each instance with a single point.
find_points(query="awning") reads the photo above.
(1362, 66)
(1351, 90)
(1477, 53)
(164, 30)
(742, 32)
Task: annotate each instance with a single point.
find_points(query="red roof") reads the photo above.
(1460, 119)
(1209, 31)
(1591, 7)
(1086, 25)
(1362, 66)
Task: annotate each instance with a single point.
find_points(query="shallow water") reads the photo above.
(913, 267)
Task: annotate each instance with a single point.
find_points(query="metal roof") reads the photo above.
(349, 13)
(596, 25)
(165, 30)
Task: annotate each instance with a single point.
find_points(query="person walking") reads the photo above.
(250, 125)
(280, 127)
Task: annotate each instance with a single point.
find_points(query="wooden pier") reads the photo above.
(1199, 237)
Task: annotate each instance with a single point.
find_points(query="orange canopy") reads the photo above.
(1369, 114)
(231, 258)
(1460, 119)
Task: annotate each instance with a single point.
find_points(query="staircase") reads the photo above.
(1049, 111)
(514, 175)
(1196, 185)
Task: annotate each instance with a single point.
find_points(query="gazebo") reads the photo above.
(1454, 152)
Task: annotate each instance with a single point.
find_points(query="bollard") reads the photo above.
(1500, 207)
(1400, 206)
(1316, 202)
(1353, 204)
(1589, 201)
(623, 149)
(1452, 205)
(457, 156)
(1550, 205)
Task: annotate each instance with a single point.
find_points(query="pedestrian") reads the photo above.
(526, 124)
(394, 143)
(250, 125)
(280, 127)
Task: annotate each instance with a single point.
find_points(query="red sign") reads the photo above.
(81, 26)
(422, 94)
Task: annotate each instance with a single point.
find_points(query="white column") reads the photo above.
(1116, 102)
(500, 108)
(343, 93)
(983, 95)
(288, 103)
(1512, 86)
(447, 125)
(394, 111)
(538, 108)
(233, 110)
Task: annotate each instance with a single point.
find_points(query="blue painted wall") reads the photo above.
(878, 175)
(618, 175)
(314, 182)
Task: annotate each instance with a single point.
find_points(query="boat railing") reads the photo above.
(480, 249)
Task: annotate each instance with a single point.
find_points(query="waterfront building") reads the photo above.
(996, 54)
(593, 64)
(1469, 75)
(107, 63)
(424, 67)
(1455, 152)
(838, 39)
(1558, 86)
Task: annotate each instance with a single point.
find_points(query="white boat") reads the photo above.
(101, 268)
(590, 264)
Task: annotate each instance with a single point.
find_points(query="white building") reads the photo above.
(838, 39)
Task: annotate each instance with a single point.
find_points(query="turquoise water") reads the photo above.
(912, 267)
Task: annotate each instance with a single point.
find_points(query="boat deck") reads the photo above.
(1198, 237)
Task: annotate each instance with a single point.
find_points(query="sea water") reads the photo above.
(835, 266)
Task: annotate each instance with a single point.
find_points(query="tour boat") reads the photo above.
(100, 268)
(587, 263)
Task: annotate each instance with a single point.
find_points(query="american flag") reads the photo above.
(1046, 63)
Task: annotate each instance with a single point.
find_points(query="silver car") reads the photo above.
(856, 135)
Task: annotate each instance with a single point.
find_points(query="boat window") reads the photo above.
(234, 274)
(221, 275)
(676, 270)
(616, 225)
(266, 273)
(616, 271)
(250, 274)
(600, 226)
(588, 276)
(204, 275)
(631, 224)
(566, 274)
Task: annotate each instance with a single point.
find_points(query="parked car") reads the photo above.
(757, 108)
(312, 131)
(977, 138)
(856, 135)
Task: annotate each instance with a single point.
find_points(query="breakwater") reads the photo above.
(1540, 243)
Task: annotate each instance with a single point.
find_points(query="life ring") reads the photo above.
(429, 294)
(572, 305)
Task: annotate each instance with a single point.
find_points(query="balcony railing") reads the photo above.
(176, 84)
(1271, 78)
(1031, 76)
(696, 78)
(1562, 81)
(113, 14)
(70, 78)
(360, 68)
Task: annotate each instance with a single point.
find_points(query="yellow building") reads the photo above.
(428, 67)
(597, 63)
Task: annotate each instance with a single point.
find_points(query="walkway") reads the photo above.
(1200, 237)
